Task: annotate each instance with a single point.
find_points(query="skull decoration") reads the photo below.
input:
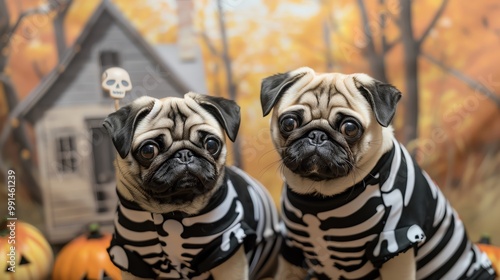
(116, 81)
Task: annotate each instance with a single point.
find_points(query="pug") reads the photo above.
(182, 213)
(355, 205)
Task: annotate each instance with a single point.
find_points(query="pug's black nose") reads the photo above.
(317, 137)
(184, 156)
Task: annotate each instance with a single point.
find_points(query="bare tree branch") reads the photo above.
(4, 78)
(4, 29)
(38, 10)
(215, 53)
(376, 59)
(19, 136)
(383, 19)
(19, 129)
(4, 18)
(225, 51)
(411, 52)
(38, 71)
(475, 85)
(366, 25)
(217, 91)
(328, 45)
(42, 9)
(431, 25)
(58, 23)
(231, 86)
(393, 17)
(209, 43)
(390, 45)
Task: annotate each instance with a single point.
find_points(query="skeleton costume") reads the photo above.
(395, 208)
(179, 246)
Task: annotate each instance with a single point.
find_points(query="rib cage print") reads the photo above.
(177, 246)
(397, 207)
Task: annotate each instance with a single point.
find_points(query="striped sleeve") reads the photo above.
(262, 217)
(134, 229)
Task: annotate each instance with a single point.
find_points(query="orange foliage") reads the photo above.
(456, 122)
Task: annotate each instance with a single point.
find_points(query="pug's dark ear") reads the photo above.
(121, 125)
(273, 87)
(382, 98)
(226, 111)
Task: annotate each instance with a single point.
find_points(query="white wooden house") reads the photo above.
(67, 108)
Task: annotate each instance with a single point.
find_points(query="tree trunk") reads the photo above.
(59, 35)
(25, 175)
(477, 86)
(411, 52)
(376, 59)
(4, 30)
(216, 90)
(328, 46)
(231, 87)
(24, 147)
(377, 66)
(4, 18)
(59, 31)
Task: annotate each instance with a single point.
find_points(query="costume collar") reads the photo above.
(216, 199)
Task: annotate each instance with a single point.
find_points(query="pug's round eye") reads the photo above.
(148, 151)
(212, 145)
(289, 123)
(350, 129)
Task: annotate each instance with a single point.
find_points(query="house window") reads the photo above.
(66, 156)
(109, 59)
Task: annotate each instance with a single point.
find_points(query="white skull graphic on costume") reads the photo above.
(116, 81)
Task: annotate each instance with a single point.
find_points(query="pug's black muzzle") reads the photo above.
(181, 178)
(319, 156)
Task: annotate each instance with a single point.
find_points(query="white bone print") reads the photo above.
(169, 245)
(367, 225)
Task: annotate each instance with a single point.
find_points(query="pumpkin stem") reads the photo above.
(485, 239)
(4, 231)
(94, 231)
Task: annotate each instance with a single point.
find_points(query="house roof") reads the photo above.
(186, 76)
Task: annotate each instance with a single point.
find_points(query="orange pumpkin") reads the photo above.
(493, 252)
(25, 250)
(85, 257)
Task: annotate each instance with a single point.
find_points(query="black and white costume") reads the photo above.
(395, 208)
(178, 246)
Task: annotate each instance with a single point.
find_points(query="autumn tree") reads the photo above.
(412, 51)
(58, 23)
(376, 56)
(10, 36)
(223, 55)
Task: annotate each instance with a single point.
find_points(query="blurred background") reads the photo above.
(442, 55)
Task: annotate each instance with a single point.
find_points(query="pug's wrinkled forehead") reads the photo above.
(172, 118)
(325, 95)
(177, 119)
